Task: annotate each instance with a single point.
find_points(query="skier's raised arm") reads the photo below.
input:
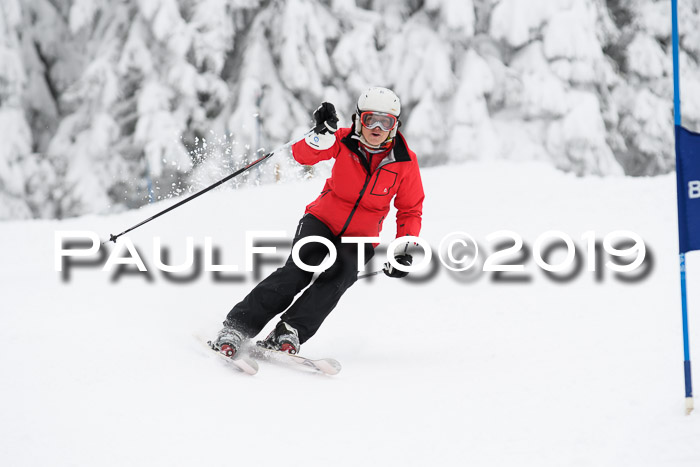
(323, 144)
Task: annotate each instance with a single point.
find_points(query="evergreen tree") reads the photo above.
(109, 105)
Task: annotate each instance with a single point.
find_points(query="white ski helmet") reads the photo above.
(379, 100)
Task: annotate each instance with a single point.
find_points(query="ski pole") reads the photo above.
(113, 238)
(369, 274)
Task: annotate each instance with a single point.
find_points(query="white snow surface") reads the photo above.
(443, 372)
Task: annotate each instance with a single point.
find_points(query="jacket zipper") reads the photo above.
(357, 203)
(367, 167)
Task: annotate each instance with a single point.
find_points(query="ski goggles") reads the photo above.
(371, 120)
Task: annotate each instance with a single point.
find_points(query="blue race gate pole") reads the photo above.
(686, 343)
(677, 123)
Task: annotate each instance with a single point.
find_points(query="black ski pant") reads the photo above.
(275, 294)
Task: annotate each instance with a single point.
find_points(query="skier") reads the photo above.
(373, 165)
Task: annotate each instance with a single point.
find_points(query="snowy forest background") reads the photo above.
(103, 103)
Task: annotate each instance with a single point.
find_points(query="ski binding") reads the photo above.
(246, 365)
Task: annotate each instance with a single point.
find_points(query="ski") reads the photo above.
(246, 365)
(328, 366)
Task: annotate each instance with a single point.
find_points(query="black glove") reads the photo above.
(326, 119)
(404, 260)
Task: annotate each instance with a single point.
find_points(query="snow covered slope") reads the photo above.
(438, 372)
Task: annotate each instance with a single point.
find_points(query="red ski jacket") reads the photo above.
(355, 199)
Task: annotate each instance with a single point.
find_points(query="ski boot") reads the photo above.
(228, 342)
(283, 338)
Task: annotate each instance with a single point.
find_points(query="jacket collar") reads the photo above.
(399, 152)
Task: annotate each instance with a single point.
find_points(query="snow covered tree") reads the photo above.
(109, 105)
